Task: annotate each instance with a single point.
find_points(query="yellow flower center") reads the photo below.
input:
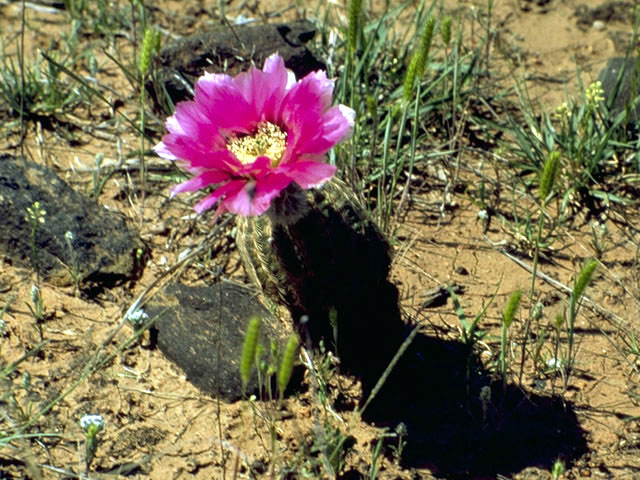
(268, 141)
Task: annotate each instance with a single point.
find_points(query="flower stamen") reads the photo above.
(268, 141)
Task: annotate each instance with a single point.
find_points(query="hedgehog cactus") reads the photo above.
(261, 139)
(330, 262)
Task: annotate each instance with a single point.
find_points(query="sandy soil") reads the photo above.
(158, 425)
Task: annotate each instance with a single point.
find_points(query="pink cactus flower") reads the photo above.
(251, 135)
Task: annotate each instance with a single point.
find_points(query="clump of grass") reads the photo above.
(593, 147)
(395, 99)
(39, 90)
(103, 18)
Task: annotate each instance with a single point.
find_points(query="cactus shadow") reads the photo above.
(461, 423)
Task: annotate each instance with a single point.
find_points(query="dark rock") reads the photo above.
(104, 250)
(623, 70)
(181, 62)
(202, 330)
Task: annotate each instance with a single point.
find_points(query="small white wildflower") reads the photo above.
(554, 363)
(3, 325)
(68, 236)
(138, 317)
(35, 294)
(92, 422)
(482, 215)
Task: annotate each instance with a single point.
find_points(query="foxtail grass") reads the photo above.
(286, 365)
(249, 347)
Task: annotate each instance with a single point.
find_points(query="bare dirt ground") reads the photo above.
(158, 425)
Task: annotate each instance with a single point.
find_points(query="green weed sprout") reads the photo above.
(558, 469)
(35, 217)
(92, 426)
(401, 433)
(546, 187)
(37, 308)
(507, 319)
(581, 282)
(74, 269)
(555, 364)
(469, 329)
(599, 234)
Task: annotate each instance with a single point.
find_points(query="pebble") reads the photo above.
(159, 229)
(461, 271)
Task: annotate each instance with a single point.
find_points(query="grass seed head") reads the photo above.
(355, 12)
(512, 307)
(419, 59)
(445, 30)
(584, 278)
(286, 366)
(549, 175)
(249, 349)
